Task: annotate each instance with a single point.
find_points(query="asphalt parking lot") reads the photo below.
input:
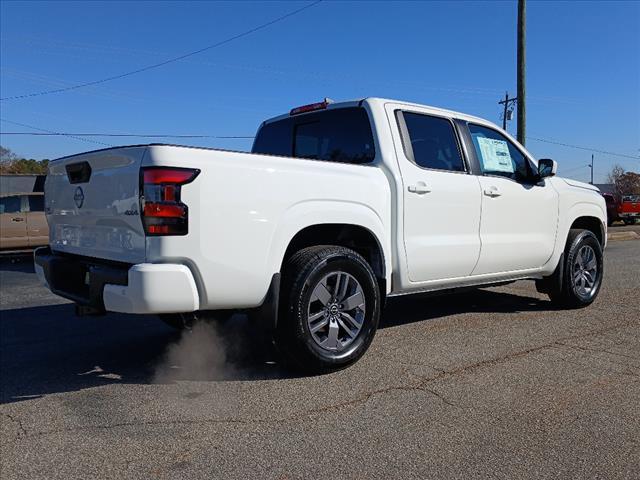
(492, 383)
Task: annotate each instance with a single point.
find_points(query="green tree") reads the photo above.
(10, 163)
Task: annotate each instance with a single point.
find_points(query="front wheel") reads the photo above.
(579, 277)
(330, 309)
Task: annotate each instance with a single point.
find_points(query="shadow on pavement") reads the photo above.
(415, 308)
(47, 349)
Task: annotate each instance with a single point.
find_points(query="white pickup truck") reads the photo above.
(337, 207)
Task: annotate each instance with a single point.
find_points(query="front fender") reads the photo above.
(567, 218)
(587, 209)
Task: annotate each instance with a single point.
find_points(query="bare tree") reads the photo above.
(6, 155)
(625, 183)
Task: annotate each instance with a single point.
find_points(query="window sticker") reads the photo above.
(495, 155)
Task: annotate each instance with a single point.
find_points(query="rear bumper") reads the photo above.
(140, 288)
(629, 214)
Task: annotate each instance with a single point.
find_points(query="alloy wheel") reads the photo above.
(585, 272)
(336, 311)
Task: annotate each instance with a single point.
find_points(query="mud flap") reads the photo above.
(552, 285)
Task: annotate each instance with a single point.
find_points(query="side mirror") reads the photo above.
(547, 167)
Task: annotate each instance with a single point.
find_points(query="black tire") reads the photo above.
(562, 288)
(182, 321)
(304, 272)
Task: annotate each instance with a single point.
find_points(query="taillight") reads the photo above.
(162, 211)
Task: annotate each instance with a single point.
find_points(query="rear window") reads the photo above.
(631, 198)
(340, 135)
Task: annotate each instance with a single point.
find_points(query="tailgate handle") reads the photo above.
(78, 172)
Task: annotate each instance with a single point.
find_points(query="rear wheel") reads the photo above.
(330, 309)
(578, 277)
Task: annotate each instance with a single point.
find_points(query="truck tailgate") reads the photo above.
(93, 204)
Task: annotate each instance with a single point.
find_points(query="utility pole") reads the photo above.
(506, 114)
(521, 70)
(591, 169)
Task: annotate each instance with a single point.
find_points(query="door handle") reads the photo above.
(420, 188)
(17, 219)
(492, 191)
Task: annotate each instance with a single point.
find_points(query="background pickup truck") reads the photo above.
(338, 207)
(22, 221)
(629, 209)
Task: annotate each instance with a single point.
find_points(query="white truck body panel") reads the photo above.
(154, 288)
(518, 230)
(437, 247)
(107, 223)
(243, 216)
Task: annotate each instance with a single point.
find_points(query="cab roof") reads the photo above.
(382, 102)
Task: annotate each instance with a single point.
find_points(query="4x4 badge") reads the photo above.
(78, 197)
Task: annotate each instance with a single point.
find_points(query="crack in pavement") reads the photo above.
(360, 400)
(18, 422)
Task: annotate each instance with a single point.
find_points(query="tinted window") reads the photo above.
(341, 135)
(10, 204)
(433, 142)
(274, 139)
(497, 155)
(36, 203)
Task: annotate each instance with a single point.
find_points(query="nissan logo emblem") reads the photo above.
(78, 197)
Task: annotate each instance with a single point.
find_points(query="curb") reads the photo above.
(620, 236)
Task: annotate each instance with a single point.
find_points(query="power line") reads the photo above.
(155, 135)
(44, 130)
(168, 61)
(585, 148)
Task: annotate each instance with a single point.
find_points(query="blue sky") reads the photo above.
(583, 77)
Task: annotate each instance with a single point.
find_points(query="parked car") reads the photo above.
(629, 209)
(612, 208)
(338, 207)
(22, 221)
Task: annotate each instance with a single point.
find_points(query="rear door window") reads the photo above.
(36, 203)
(432, 142)
(10, 204)
(340, 135)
